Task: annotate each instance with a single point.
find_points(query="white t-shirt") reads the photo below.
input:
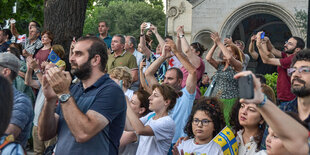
(160, 143)
(189, 147)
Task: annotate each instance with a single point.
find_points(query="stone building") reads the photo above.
(236, 18)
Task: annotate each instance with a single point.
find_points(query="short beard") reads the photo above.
(300, 91)
(83, 72)
(290, 51)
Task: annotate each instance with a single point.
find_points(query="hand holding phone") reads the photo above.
(246, 87)
(262, 35)
(148, 25)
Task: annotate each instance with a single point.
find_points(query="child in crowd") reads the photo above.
(205, 122)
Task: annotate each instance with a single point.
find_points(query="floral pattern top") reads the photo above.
(226, 87)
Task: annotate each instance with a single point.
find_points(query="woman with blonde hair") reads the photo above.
(122, 76)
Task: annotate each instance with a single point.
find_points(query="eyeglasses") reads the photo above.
(303, 69)
(204, 122)
(289, 43)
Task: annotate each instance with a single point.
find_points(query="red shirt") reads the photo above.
(284, 81)
(42, 55)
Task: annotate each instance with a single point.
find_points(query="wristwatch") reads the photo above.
(37, 71)
(142, 34)
(64, 98)
(182, 36)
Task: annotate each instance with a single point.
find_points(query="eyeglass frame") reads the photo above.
(292, 70)
(197, 121)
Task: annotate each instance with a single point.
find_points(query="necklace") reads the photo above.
(195, 141)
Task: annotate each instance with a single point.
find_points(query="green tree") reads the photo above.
(124, 17)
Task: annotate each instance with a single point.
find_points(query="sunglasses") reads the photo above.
(303, 69)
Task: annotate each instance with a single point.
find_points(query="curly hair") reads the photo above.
(122, 73)
(234, 122)
(212, 107)
(169, 93)
(303, 55)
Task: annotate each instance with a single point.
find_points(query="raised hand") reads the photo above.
(32, 63)
(180, 31)
(215, 37)
(153, 28)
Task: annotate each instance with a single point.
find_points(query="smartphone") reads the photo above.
(262, 35)
(246, 87)
(228, 36)
(148, 25)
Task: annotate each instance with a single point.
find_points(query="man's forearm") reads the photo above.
(47, 126)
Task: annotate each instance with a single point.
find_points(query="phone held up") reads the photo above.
(246, 87)
(262, 35)
(148, 25)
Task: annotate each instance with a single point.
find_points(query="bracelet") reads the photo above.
(263, 102)
(141, 35)
(38, 71)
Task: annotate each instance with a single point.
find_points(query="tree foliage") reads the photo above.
(124, 17)
(26, 11)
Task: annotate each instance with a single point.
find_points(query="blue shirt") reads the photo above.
(22, 115)
(181, 112)
(4, 47)
(107, 40)
(106, 98)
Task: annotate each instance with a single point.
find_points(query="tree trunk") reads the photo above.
(65, 19)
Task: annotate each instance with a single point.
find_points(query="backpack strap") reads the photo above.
(8, 139)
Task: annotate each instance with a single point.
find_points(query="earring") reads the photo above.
(260, 126)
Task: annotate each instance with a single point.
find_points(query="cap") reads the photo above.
(9, 60)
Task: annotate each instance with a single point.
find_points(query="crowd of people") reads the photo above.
(125, 97)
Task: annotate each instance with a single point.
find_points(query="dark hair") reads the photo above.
(106, 24)
(234, 122)
(8, 33)
(98, 47)
(169, 93)
(300, 42)
(133, 41)
(49, 35)
(303, 55)
(17, 45)
(212, 107)
(199, 48)
(6, 104)
(179, 72)
(261, 77)
(143, 97)
(15, 51)
(122, 38)
(37, 24)
(168, 37)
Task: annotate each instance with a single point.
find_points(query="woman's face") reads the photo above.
(135, 105)
(274, 144)
(157, 101)
(249, 116)
(201, 126)
(45, 39)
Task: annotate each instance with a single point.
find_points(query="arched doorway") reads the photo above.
(275, 29)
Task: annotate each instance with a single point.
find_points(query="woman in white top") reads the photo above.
(156, 129)
(250, 127)
(139, 103)
(205, 122)
(122, 76)
(287, 136)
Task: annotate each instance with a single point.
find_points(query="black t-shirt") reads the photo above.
(262, 68)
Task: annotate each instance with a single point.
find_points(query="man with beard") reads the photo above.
(300, 86)
(90, 116)
(33, 42)
(291, 48)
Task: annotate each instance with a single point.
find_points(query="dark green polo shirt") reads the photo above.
(126, 59)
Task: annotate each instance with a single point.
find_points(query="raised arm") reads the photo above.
(282, 124)
(14, 30)
(151, 70)
(252, 52)
(233, 62)
(161, 41)
(191, 80)
(273, 50)
(32, 64)
(209, 56)
(192, 56)
(136, 124)
(262, 49)
(145, 49)
(142, 77)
